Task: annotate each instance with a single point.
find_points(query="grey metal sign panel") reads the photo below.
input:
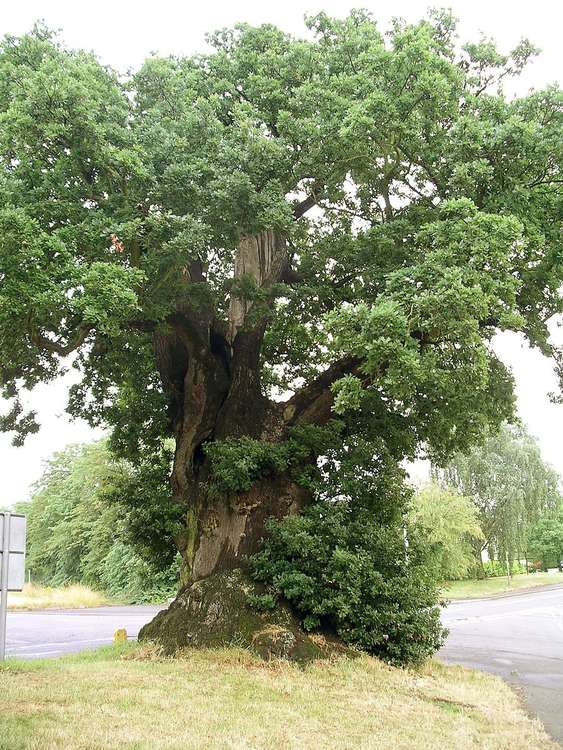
(16, 571)
(17, 532)
(12, 564)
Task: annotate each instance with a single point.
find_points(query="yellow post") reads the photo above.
(120, 635)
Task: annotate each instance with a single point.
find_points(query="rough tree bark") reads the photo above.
(211, 373)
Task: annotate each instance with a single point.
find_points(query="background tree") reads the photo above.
(160, 228)
(449, 523)
(545, 541)
(78, 532)
(510, 485)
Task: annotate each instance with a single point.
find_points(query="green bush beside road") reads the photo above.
(78, 530)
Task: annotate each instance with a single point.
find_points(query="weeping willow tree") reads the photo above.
(274, 246)
(450, 524)
(511, 486)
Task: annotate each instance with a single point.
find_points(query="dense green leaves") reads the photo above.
(438, 206)
(348, 563)
(236, 464)
(347, 572)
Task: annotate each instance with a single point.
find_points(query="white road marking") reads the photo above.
(61, 643)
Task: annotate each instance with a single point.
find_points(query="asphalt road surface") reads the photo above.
(45, 633)
(520, 638)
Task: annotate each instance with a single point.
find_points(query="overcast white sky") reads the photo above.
(124, 32)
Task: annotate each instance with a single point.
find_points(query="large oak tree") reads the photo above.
(280, 240)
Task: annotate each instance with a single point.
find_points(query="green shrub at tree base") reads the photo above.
(344, 571)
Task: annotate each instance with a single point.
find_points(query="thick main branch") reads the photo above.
(312, 404)
(263, 258)
(57, 347)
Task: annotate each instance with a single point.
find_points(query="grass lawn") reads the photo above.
(475, 589)
(65, 597)
(229, 700)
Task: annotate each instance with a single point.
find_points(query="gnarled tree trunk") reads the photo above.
(229, 529)
(211, 372)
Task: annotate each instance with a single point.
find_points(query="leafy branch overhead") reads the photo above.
(238, 244)
(438, 199)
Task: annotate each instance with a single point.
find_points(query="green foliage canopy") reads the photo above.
(438, 200)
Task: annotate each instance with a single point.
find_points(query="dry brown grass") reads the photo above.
(229, 700)
(74, 596)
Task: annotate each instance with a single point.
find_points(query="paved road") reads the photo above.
(520, 638)
(45, 633)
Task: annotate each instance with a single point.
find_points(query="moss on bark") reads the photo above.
(215, 612)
